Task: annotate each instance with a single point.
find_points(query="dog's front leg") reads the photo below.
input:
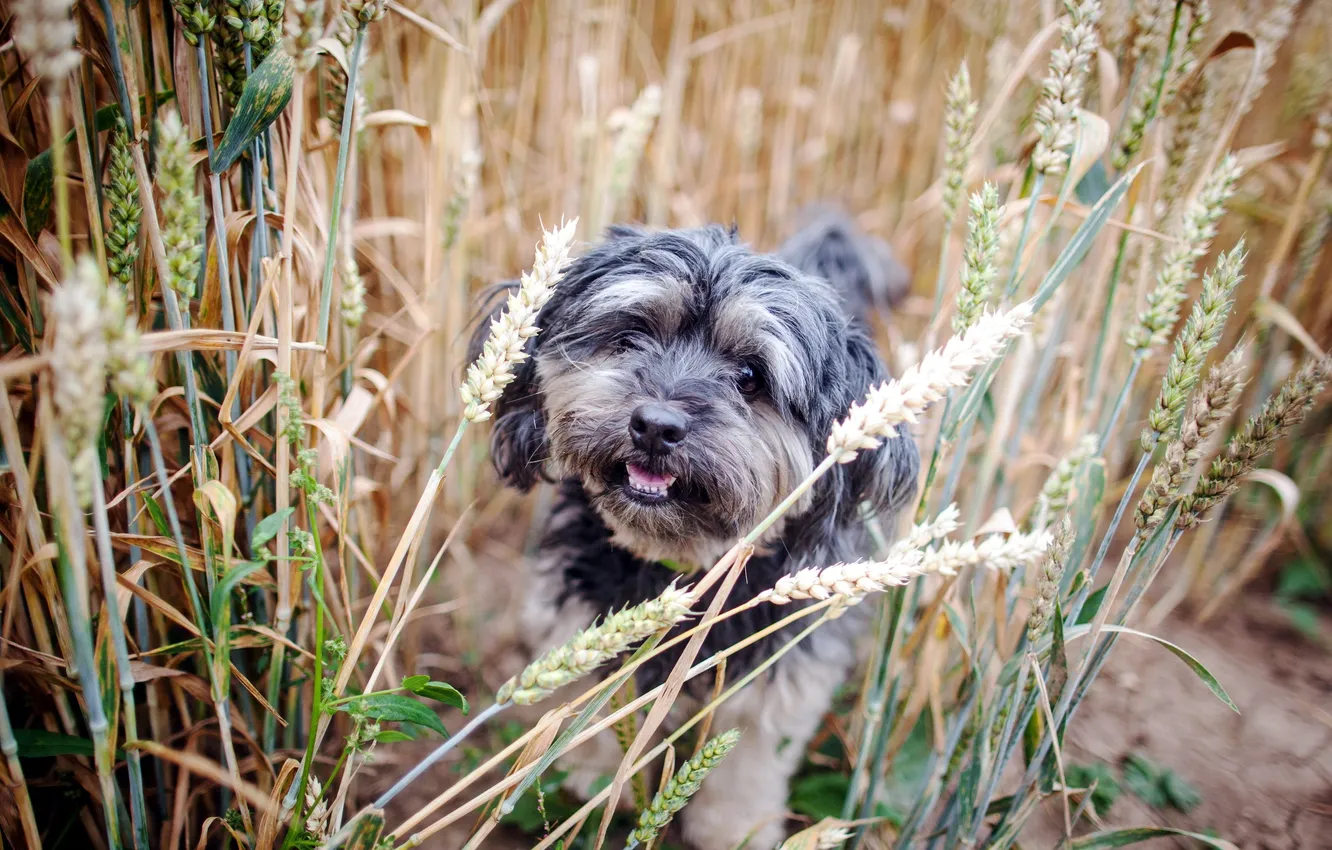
(744, 799)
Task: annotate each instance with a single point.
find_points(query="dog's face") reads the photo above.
(690, 385)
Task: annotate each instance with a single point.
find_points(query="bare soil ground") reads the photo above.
(1265, 775)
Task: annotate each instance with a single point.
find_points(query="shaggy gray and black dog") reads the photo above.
(680, 387)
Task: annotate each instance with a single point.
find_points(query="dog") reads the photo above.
(681, 386)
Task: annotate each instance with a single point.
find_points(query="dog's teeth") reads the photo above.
(648, 483)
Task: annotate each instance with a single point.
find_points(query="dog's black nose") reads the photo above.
(657, 427)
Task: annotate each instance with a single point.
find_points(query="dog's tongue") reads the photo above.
(644, 480)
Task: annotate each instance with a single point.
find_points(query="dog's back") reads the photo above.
(861, 267)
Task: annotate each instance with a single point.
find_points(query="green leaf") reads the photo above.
(820, 795)
(1180, 791)
(1304, 578)
(39, 177)
(1134, 835)
(396, 708)
(411, 683)
(1093, 185)
(266, 94)
(1106, 788)
(1303, 616)
(221, 595)
(443, 692)
(1081, 240)
(38, 189)
(1085, 503)
(1143, 778)
(39, 743)
(159, 518)
(1193, 664)
(1091, 606)
(1058, 675)
(392, 736)
(267, 528)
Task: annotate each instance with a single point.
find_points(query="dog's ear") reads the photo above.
(883, 479)
(623, 231)
(518, 447)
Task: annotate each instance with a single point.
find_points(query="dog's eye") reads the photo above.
(748, 381)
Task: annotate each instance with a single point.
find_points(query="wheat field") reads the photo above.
(255, 566)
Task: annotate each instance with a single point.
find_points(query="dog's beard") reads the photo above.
(689, 504)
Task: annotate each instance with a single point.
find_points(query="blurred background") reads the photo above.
(480, 123)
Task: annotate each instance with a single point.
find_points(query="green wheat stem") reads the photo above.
(174, 320)
(1098, 352)
(1155, 102)
(1010, 288)
(941, 274)
(55, 108)
(1108, 430)
(1076, 607)
(435, 477)
(173, 523)
(102, 532)
(1077, 685)
(922, 506)
(937, 767)
(223, 263)
(960, 444)
(316, 698)
(1031, 403)
(339, 178)
(72, 567)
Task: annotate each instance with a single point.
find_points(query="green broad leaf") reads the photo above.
(267, 528)
(1304, 578)
(221, 595)
(39, 743)
(267, 92)
(39, 178)
(1303, 617)
(1142, 777)
(395, 708)
(393, 736)
(820, 795)
(1091, 607)
(1099, 777)
(1134, 835)
(443, 692)
(1180, 791)
(411, 683)
(39, 189)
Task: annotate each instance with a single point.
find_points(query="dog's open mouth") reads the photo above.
(649, 487)
(646, 485)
